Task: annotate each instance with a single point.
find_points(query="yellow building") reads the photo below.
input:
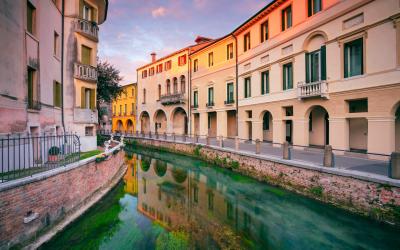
(124, 110)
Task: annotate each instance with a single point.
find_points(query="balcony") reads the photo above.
(88, 29)
(210, 104)
(85, 115)
(195, 106)
(313, 89)
(85, 72)
(229, 102)
(34, 104)
(170, 99)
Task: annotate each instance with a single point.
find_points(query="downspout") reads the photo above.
(62, 65)
(237, 86)
(190, 92)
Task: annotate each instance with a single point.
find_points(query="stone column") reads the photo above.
(381, 135)
(242, 131)
(339, 127)
(279, 131)
(203, 123)
(222, 119)
(257, 130)
(300, 132)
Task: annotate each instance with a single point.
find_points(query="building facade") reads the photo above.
(49, 71)
(124, 110)
(163, 92)
(214, 89)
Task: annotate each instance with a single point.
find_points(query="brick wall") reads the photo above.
(378, 200)
(52, 198)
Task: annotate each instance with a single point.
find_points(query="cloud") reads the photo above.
(159, 12)
(200, 3)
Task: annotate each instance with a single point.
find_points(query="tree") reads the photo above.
(108, 88)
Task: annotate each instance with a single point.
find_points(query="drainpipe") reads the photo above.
(62, 64)
(190, 92)
(237, 86)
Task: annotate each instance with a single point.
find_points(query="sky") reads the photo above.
(136, 28)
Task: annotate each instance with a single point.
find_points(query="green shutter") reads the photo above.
(309, 8)
(54, 94)
(307, 67)
(346, 73)
(92, 99)
(284, 76)
(83, 97)
(267, 83)
(290, 83)
(86, 54)
(81, 8)
(262, 83)
(323, 62)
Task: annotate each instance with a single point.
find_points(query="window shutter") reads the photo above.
(83, 97)
(309, 8)
(93, 99)
(94, 15)
(323, 62)
(307, 67)
(54, 94)
(284, 77)
(346, 73)
(81, 8)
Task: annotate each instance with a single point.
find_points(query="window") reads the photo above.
(144, 73)
(120, 109)
(353, 58)
(175, 85)
(249, 114)
(288, 76)
(114, 110)
(247, 87)
(144, 96)
(56, 49)
(168, 65)
(159, 68)
(125, 110)
(266, 121)
(314, 6)
(31, 18)
(144, 185)
(211, 96)
(86, 55)
(287, 18)
(151, 71)
(229, 51)
(183, 84)
(195, 65)
(210, 59)
(264, 31)
(289, 111)
(56, 94)
(316, 65)
(159, 91)
(358, 106)
(33, 102)
(87, 12)
(196, 99)
(168, 87)
(89, 131)
(246, 42)
(88, 98)
(195, 194)
(182, 60)
(265, 82)
(229, 93)
(133, 109)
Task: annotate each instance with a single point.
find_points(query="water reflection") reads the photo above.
(219, 209)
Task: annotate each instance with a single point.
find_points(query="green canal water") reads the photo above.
(169, 201)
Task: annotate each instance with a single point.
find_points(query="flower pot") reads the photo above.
(53, 158)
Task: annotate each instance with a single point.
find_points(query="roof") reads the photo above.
(211, 43)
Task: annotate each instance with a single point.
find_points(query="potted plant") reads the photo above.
(53, 154)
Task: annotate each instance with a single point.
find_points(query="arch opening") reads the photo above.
(267, 126)
(160, 122)
(145, 122)
(318, 126)
(180, 121)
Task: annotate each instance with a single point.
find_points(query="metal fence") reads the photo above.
(25, 155)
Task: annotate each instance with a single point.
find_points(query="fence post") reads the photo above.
(328, 157)
(394, 167)
(157, 135)
(258, 146)
(237, 143)
(173, 136)
(207, 140)
(149, 134)
(165, 135)
(286, 151)
(221, 141)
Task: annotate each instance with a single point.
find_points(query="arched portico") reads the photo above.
(145, 122)
(129, 126)
(179, 121)
(160, 121)
(120, 126)
(267, 126)
(318, 126)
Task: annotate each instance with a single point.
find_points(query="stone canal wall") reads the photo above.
(362, 193)
(51, 197)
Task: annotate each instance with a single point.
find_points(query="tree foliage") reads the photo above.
(108, 79)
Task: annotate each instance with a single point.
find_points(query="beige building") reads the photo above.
(163, 92)
(213, 89)
(48, 66)
(325, 72)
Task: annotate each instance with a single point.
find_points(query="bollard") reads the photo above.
(237, 143)
(184, 138)
(157, 135)
(394, 167)
(196, 139)
(221, 141)
(137, 133)
(173, 136)
(207, 140)
(286, 150)
(149, 134)
(258, 146)
(328, 157)
(165, 136)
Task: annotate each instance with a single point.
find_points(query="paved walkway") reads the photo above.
(311, 155)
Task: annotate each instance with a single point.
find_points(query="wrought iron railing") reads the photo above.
(87, 28)
(305, 90)
(85, 72)
(210, 104)
(34, 104)
(229, 101)
(172, 98)
(25, 155)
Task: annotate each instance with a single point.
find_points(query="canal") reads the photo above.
(169, 201)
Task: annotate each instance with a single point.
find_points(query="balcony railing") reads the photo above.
(195, 106)
(87, 28)
(210, 104)
(85, 72)
(34, 104)
(231, 101)
(169, 99)
(85, 115)
(313, 89)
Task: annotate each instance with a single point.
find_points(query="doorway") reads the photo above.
(289, 131)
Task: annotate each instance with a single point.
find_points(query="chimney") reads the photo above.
(153, 57)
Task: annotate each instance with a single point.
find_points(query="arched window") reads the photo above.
(183, 84)
(159, 91)
(144, 96)
(175, 85)
(168, 87)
